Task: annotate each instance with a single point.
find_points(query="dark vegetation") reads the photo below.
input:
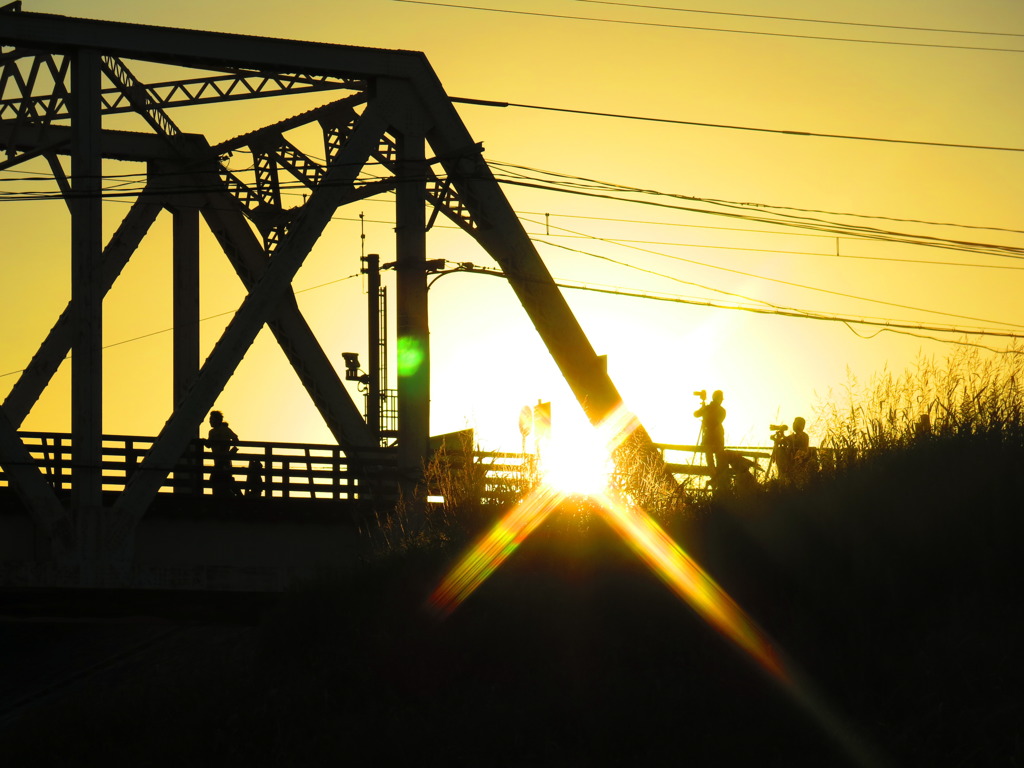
(890, 579)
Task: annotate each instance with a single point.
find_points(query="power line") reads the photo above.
(673, 121)
(162, 331)
(710, 29)
(836, 229)
(778, 281)
(676, 244)
(897, 327)
(830, 230)
(893, 326)
(582, 185)
(772, 280)
(817, 254)
(801, 19)
(142, 176)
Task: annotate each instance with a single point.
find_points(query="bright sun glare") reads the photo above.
(576, 463)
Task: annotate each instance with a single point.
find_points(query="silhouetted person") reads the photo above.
(254, 478)
(793, 454)
(712, 416)
(220, 442)
(741, 471)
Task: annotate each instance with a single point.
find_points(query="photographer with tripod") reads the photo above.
(712, 431)
(792, 453)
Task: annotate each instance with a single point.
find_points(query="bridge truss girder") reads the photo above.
(61, 70)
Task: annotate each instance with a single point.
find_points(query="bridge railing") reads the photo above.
(272, 470)
(696, 464)
(492, 477)
(284, 470)
(258, 469)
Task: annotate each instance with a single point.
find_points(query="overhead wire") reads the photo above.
(788, 283)
(783, 251)
(295, 185)
(846, 233)
(782, 282)
(726, 126)
(162, 331)
(665, 25)
(580, 185)
(567, 179)
(599, 189)
(755, 205)
(743, 273)
(804, 19)
(761, 277)
(894, 326)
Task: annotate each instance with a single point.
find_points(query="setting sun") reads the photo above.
(577, 462)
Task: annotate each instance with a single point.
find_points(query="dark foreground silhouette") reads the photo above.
(891, 586)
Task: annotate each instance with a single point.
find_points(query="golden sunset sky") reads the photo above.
(942, 87)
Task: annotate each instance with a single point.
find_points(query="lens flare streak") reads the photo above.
(676, 568)
(690, 582)
(647, 539)
(494, 548)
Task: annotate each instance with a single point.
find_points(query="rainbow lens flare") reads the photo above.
(494, 548)
(674, 566)
(690, 582)
(645, 537)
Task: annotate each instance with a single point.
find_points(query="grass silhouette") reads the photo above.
(890, 577)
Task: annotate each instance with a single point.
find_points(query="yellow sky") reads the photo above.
(487, 362)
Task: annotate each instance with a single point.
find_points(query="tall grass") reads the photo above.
(892, 574)
(966, 394)
(890, 581)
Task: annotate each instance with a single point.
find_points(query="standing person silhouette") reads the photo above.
(796, 459)
(712, 416)
(220, 442)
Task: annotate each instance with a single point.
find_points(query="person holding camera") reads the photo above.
(712, 430)
(792, 454)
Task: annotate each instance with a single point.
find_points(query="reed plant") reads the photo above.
(889, 582)
(967, 394)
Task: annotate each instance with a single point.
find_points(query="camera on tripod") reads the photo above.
(702, 394)
(778, 430)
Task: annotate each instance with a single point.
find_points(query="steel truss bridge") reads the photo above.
(62, 79)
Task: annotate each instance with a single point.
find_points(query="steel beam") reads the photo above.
(495, 225)
(114, 145)
(23, 475)
(289, 327)
(185, 287)
(412, 327)
(206, 50)
(259, 305)
(238, 86)
(469, 193)
(58, 342)
(499, 231)
(86, 283)
(503, 237)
